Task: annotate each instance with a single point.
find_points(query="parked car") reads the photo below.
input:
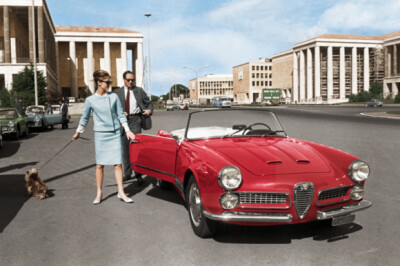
(1, 138)
(38, 118)
(71, 99)
(56, 110)
(239, 166)
(172, 107)
(183, 106)
(221, 101)
(374, 103)
(13, 123)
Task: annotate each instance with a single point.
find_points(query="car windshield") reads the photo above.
(7, 114)
(233, 123)
(34, 110)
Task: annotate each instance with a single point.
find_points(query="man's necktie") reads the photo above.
(127, 102)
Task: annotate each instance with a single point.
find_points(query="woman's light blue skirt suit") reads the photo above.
(107, 116)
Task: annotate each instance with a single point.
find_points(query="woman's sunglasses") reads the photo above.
(108, 82)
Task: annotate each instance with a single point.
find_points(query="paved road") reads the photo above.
(67, 229)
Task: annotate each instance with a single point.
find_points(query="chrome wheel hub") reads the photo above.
(195, 204)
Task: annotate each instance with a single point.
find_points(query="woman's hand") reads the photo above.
(130, 135)
(76, 135)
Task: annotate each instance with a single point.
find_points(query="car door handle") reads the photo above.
(133, 141)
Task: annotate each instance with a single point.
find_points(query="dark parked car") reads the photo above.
(374, 103)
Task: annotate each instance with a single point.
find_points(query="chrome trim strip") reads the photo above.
(335, 212)
(154, 170)
(249, 217)
(334, 202)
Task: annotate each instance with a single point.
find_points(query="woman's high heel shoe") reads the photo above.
(97, 201)
(127, 200)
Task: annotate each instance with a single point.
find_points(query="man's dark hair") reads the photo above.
(126, 73)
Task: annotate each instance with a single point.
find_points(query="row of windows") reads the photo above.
(261, 83)
(217, 84)
(261, 75)
(216, 92)
(261, 68)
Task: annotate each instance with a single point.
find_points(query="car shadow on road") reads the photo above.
(13, 195)
(284, 234)
(16, 166)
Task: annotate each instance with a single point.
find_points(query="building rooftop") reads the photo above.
(92, 29)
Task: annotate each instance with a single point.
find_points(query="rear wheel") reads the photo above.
(201, 225)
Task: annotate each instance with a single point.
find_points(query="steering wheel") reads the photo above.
(250, 128)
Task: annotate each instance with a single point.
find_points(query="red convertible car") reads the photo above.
(239, 166)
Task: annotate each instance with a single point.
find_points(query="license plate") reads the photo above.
(343, 219)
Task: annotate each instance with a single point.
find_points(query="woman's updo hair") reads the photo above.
(100, 75)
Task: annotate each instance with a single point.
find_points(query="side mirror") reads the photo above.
(163, 133)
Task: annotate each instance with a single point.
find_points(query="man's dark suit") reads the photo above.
(134, 121)
(64, 112)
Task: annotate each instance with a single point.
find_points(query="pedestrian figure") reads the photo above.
(64, 112)
(137, 105)
(107, 116)
(18, 107)
(47, 107)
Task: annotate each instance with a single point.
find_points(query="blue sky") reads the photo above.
(221, 34)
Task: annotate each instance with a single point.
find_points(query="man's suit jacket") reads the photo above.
(141, 97)
(64, 111)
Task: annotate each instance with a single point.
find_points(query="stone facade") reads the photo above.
(391, 86)
(67, 56)
(282, 64)
(203, 89)
(250, 78)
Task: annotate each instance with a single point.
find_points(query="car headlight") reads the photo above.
(230, 177)
(229, 201)
(358, 171)
(11, 124)
(357, 192)
(37, 119)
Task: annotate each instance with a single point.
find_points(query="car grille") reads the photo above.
(333, 193)
(303, 195)
(262, 197)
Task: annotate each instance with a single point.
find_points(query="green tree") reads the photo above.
(6, 98)
(376, 90)
(23, 85)
(154, 98)
(175, 91)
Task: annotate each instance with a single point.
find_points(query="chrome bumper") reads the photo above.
(249, 217)
(348, 209)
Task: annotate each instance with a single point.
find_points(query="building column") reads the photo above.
(309, 75)
(13, 44)
(90, 65)
(30, 27)
(354, 70)
(295, 90)
(302, 77)
(124, 57)
(139, 65)
(58, 68)
(389, 63)
(107, 60)
(366, 69)
(342, 79)
(394, 60)
(40, 28)
(330, 74)
(73, 70)
(317, 74)
(6, 21)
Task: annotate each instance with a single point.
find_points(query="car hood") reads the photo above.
(272, 156)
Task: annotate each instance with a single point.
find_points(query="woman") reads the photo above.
(107, 116)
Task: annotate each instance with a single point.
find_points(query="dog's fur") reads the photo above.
(34, 185)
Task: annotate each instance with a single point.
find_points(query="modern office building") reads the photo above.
(66, 55)
(250, 78)
(203, 89)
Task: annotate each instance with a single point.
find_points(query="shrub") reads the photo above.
(397, 98)
(6, 98)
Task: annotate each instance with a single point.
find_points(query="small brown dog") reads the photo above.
(34, 185)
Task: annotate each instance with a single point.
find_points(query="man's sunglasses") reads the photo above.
(108, 82)
(130, 80)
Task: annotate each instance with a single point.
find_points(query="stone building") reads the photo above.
(250, 78)
(203, 89)
(391, 86)
(330, 67)
(282, 63)
(66, 55)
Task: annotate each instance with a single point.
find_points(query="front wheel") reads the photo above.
(201, 225)
(18, 134)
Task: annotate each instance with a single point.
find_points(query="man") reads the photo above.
(47, 107)
(64, 112)
(136, 105)
(18, 106)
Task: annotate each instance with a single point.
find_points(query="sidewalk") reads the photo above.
(76, 108)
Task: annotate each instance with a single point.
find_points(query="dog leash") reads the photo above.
(63, 148)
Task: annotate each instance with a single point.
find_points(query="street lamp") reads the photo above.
(148, 43)
(197, 81)
(34, 53)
